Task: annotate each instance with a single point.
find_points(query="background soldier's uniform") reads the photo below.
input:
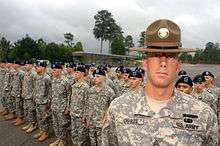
(207, 98)
(77, 109)
(17, 91)
(97, 103)
(27, 94)
(8, 87)
(183, 121)
(42, 100)
(2, 84)
(60, 93)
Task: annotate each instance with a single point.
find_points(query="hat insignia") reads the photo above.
(163, 33)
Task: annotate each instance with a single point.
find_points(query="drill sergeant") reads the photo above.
(161, 116)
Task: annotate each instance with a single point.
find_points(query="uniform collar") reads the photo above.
(170, 110)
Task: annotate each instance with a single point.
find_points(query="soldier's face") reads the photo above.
(56, 72)
(161, 69)
(69, 70)
(125, 76)
(39, 69)
(118, 74)
(184, 88)
(199, 86)
(208, 80)
(28, 67)
(79, 75)
(135, 82)
(98, 79)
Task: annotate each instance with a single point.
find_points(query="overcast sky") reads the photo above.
(50, 19)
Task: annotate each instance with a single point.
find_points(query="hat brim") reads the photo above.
(165, 50)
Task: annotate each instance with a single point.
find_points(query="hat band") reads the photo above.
(157, 47)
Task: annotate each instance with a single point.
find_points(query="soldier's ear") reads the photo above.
(145, 64)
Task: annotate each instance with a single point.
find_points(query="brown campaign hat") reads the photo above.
(163, 36)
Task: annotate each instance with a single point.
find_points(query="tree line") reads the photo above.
(29, 49)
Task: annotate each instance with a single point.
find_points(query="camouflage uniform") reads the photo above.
(97, 103)
(207, 98)
(27, 94)
(114, 87)
(122, 86)
(60, 93)
(77, 109)
(89, 80)
(42, 99)
(2, 83)
(182, 122)
(8, 87)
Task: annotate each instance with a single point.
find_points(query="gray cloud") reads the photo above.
(50, 19)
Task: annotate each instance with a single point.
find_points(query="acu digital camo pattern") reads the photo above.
(60, 92)
(183, 122)
(97, 103)
(207, 98)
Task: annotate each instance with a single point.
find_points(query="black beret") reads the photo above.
(182, 72)
(41, 63)
(56, 65)
(136, 74)
(102, 68)
(199, 78)
(207, 73)
(81, 69)
(99, 72)
(186, 80)
(120, 68)
(127, 70)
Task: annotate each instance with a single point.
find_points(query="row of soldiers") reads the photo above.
(72, 96)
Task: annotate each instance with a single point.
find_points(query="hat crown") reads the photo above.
(163, 33)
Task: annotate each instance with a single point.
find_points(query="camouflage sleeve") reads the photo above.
(48, 90)
(85, 104)
(109, 134)
(69, 93)
(212, 130)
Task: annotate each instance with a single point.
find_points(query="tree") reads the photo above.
(104, 27)
(5, 47)
(185, 57)
(129, 42)
(69, 38)
(142, 38)
(117, 46)
(26, 48)
(78, 47)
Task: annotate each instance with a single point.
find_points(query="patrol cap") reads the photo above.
(208, 73)
(98, 71)
(199, 79)
(163, 36)
(136, 74)
(81, 69)
(182, 72)
(184, 79)
(120, 69)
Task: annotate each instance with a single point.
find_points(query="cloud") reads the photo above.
(50, 19)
